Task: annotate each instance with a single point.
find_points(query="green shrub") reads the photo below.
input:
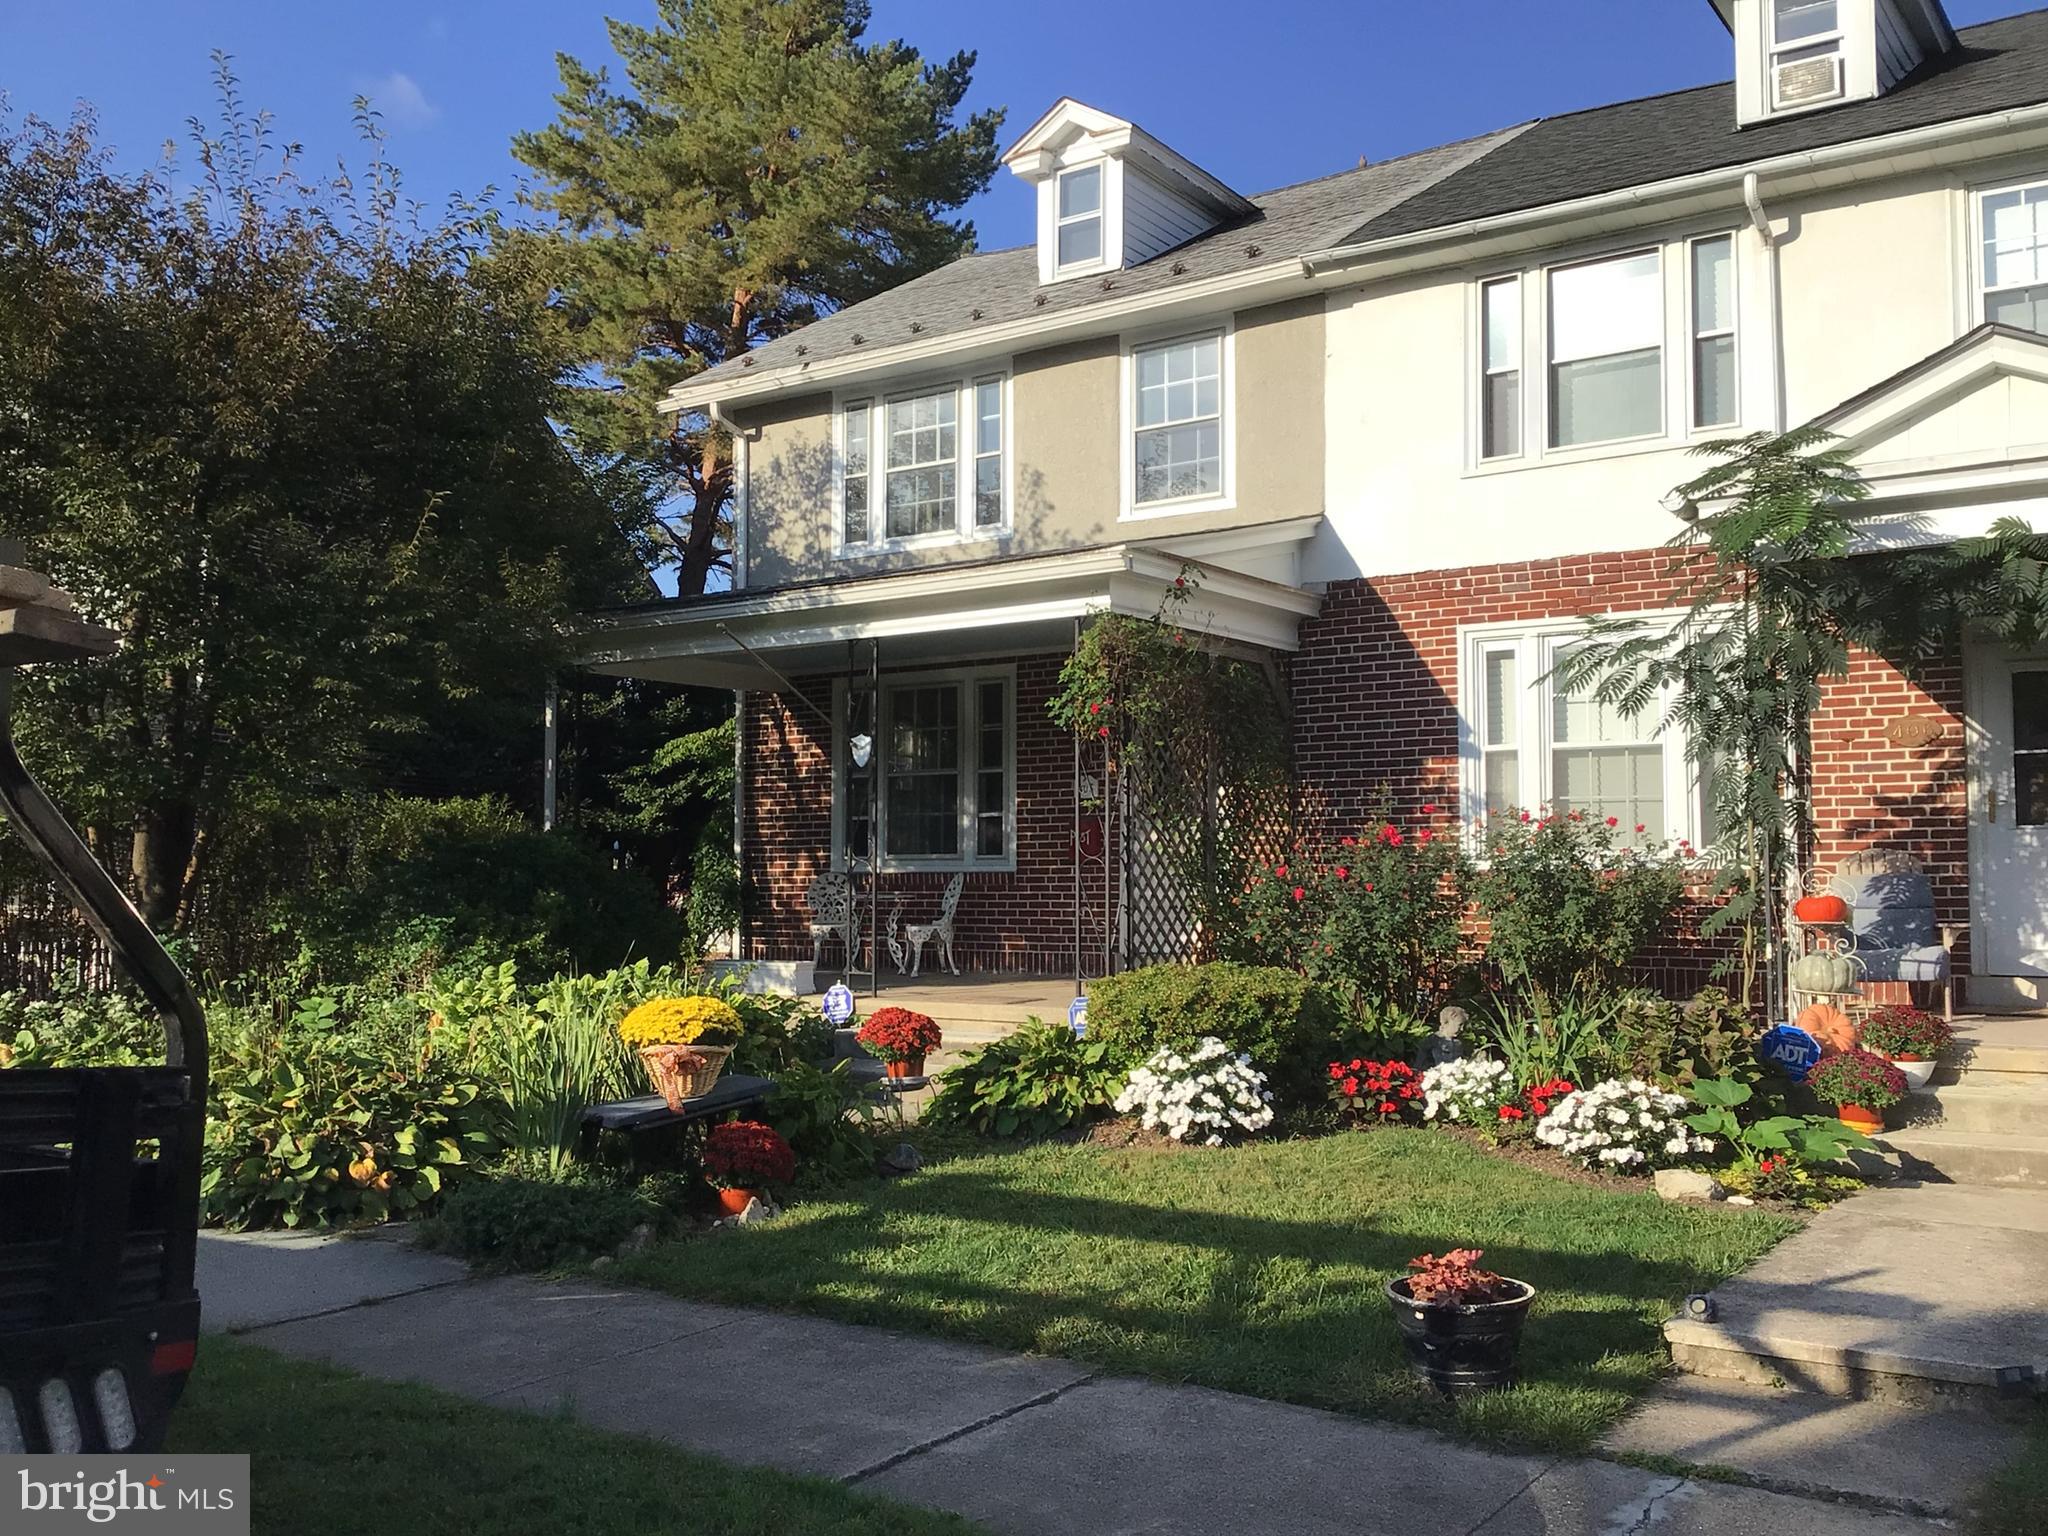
(312, 1130)
(1039, 1080)
(1569, 905)
(825, 1120)
(1282, 1020)
(512, 1222)
(76, 1027)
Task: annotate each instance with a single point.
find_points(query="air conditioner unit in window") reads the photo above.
(1801, 82)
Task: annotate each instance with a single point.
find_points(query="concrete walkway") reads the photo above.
(1024, 1444)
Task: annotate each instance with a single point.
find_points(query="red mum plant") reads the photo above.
(1858, 1078)
(1374, 1092)
(1456, 1280)
(1906, 1034)
(745, 1154)
(898, 1034)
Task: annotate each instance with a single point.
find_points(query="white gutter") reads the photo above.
(1752, 199)
(1888, 147)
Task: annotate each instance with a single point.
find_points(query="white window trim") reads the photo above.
(1693, 337)
(1128, 509)
(876, 403)
(1476, 350)
(1675, 256)
(1775, 49)
(1100, 214)
(1979, 291)
(965, 679)
(1538, 642)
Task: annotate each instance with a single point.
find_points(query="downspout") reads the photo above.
(1752, 199)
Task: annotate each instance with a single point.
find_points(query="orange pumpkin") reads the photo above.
(1830, 1026)
(1821, 909)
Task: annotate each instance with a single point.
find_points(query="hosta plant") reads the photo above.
(1622, 1126)
(1034, 1082)
(1202, 1094)
(1859, 1078)
(1470, 1091)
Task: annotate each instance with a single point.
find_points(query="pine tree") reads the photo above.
(763, 165)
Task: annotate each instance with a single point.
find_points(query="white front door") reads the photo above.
(2009, 820)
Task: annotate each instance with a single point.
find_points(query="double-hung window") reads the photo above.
(1500, 365)
(1532, 745)
(1607, 350)
(925, 464)
(1806, 52)
(2013, 234)
(939, 788)
(1078, 230)
(1177, 415)
(1713, 332)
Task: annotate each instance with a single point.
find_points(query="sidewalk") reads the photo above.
(1023, 1444)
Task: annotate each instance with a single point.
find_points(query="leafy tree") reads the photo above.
(764, 165)
(294, 445)
(1776, 594)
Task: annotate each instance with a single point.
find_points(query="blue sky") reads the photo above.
(1260, 95)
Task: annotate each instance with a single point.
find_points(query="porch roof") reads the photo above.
(1008, 606)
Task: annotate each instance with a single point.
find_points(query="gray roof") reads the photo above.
(1003, 285)
(1997, 66)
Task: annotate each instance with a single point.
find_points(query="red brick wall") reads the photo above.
(1015, 922)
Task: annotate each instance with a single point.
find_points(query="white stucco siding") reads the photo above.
(1871, 280)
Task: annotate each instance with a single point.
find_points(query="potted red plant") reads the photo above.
(1860, 1084)
(741, 1157)
(1910, 1039)
(901, 1038)
(1460, 1324)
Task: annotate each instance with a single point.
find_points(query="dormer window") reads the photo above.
(1806, 52)
(1080, 217)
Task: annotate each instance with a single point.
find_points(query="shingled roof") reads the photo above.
(1998, 66)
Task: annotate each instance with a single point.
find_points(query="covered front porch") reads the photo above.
(904, 797)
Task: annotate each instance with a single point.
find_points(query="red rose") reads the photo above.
(1299, 893)
(1368, 887)
(1525, 815)
(1342, 872)
(1424, 835)
(1348, 842)
(1429, 810)
(1280, 870)
(1614, 821)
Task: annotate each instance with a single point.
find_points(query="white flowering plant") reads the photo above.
(1203, 1093)
(1469, 1091)
(1622, 1125)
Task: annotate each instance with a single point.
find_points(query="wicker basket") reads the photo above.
(683, 1072)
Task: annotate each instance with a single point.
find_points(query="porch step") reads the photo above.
(1989, 1060)
(1973, 1158)
(2018, 1109)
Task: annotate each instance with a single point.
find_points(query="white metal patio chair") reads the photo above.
(830, 899)
(917, 935)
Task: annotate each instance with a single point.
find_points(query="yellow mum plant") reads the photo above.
(680, 1021)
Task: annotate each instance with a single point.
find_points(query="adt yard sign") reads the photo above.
(1077, 1016)
(839, 1003)
(1791, 1050)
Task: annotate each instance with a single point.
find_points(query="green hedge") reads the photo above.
(1284, 1022)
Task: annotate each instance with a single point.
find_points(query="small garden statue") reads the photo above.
(1443, 1046)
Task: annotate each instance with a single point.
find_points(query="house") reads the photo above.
(1407, 423)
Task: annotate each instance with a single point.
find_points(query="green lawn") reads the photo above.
(335, 1454)
(2012, 1505)
(1256, 1269)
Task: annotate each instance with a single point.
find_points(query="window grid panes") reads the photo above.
(1607, 763)
(1606, 350)
(923, 465)
(988, 453)
(854, 488)
(1713, 332)
(1499, 738)
(1500, 406)
(941, 768)
(860, 721)
(2030, 748)
(2015, 263)
(924, 771)
(1078, 230)
(1800, 21)
(1179, 439)
(991, 774)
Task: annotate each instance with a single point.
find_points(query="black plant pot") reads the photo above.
(1462, 1349)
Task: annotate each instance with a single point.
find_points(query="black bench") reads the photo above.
(650, 1111)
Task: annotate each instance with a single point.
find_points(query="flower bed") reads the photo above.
(1206, 1095)
(1622, 1125)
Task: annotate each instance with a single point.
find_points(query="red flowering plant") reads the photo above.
(1374, 1092)
(1379, 909)
(1456, 1280)
(745, 1154)
(898, 1034)
(1518, 1119)
(1906, 1034)
(1860, 1078)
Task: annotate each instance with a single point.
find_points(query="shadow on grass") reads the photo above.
(1257, 1270)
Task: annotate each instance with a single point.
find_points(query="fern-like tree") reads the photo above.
(1777, 582)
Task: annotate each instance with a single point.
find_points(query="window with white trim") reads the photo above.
(942, 791)
(1530, 745)
(1606, 349)
(1077, 234)
(1177, 436)
(924, 465)
(2012, 228)
(1713, 332)
(1500, 367)
(1805, 32)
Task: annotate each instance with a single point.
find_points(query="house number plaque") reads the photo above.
(1912, 730)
